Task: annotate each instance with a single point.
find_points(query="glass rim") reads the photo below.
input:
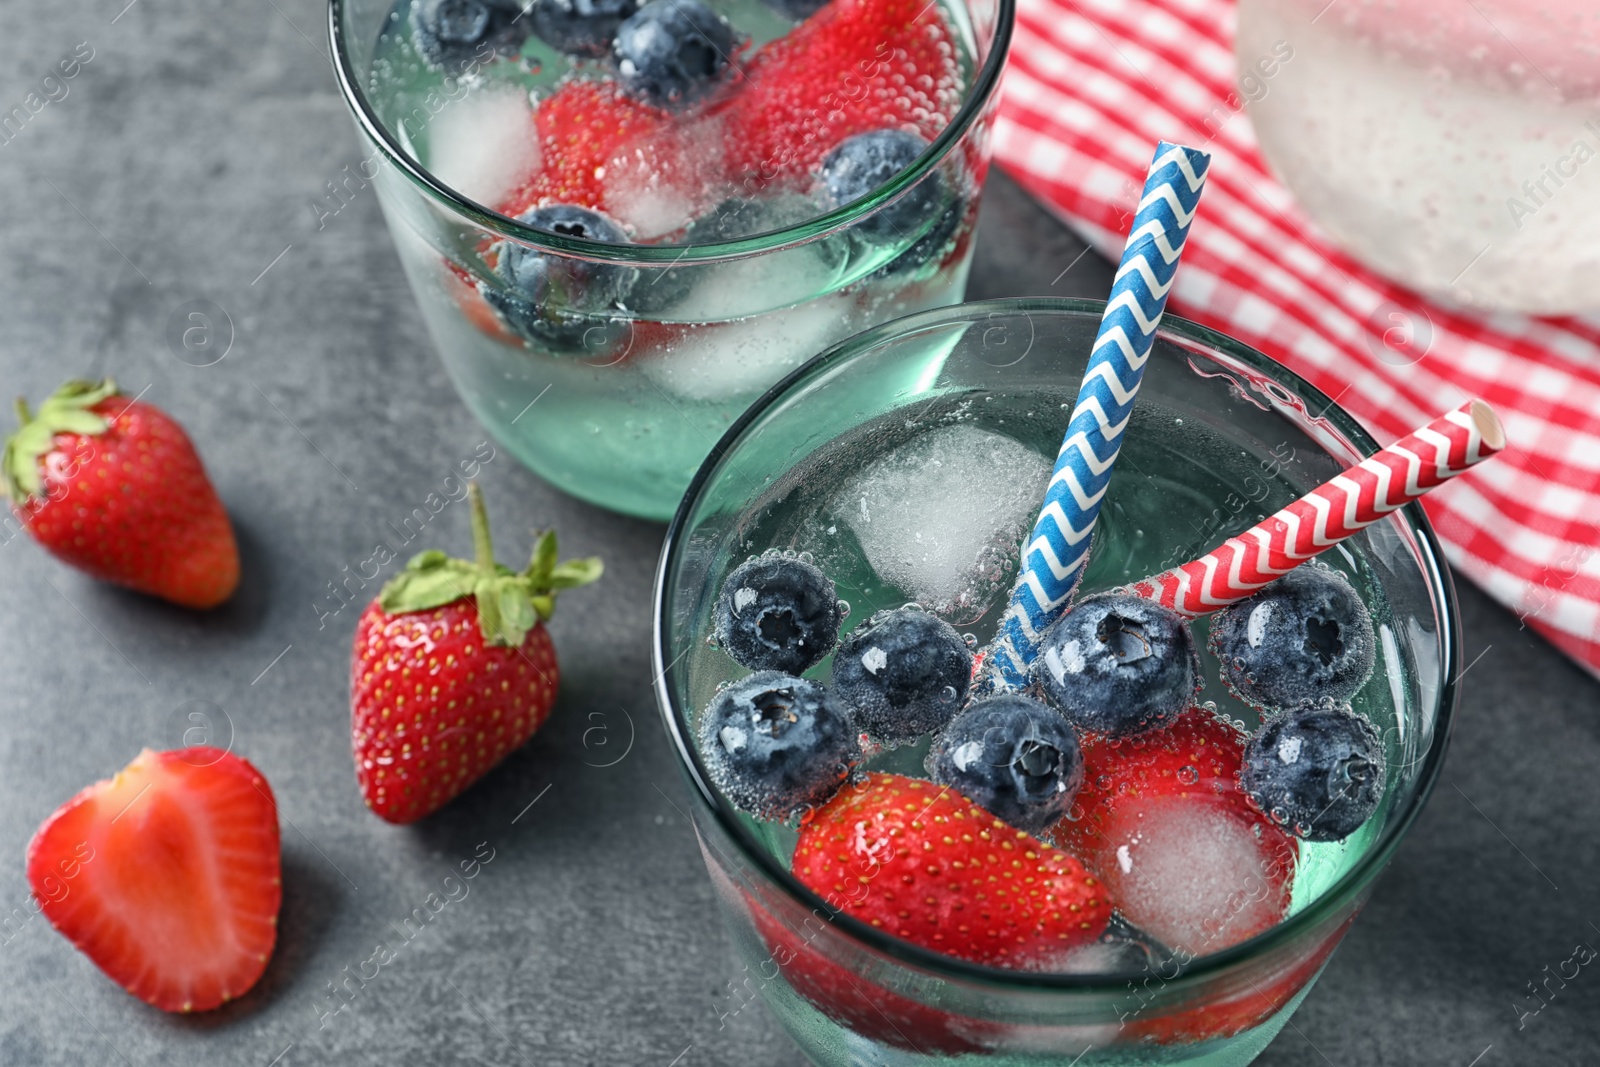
(981, 92)
(1437, 575)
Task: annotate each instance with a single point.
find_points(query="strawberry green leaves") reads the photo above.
(510, 603)
(67, 410)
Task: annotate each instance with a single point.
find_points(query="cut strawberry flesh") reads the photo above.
(167, 876)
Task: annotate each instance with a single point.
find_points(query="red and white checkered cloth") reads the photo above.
(1093, 84)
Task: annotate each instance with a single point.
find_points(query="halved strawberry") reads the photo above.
(924, 863)
(854, 66)
(1162, 819)
(167, 876)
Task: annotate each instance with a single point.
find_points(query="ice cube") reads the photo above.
(943, 517)
(729, 360)
(740, 288)
(657, 185)
(484, 145)
(1193, 873)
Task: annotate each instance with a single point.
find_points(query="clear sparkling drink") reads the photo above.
(933, 512)
(612, 377)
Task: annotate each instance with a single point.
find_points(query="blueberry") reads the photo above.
(580, 27)
(904, 673)
(864, 163)
(1015, 757)
(660, 289)
(774, 743)
(1316, 770)
(929, 247)
(798, 10)
(778, 613)
(1118, 665)
(557, 300)
(454, 33)
(739, 217)
(671, 51)
(1305, 637)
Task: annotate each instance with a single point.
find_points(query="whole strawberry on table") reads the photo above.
(114, 487)
(453, 669)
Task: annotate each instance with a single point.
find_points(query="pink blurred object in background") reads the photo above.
(1445, 144)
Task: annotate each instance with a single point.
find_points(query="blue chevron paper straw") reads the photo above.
(1053, 560)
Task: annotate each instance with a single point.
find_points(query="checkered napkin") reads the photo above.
(1092, 84)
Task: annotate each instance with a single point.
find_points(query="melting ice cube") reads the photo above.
(943, 516)
(484, 144)
(729, 360)
(1193, 873)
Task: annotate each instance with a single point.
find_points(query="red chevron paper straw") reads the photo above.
(1386, 480)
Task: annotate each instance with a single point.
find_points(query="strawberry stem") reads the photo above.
(482, 546)
(24, 416)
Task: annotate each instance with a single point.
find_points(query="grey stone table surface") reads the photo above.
(179, 164)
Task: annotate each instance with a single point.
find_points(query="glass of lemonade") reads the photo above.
(908, 463)
(616, 252)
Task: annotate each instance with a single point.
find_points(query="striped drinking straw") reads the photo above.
(1388, 479)
(1052, 561)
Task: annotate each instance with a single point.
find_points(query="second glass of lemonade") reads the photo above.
(614, 256)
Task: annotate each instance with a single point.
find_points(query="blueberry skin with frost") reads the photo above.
(862, 164)
(456, 34)
(1305, 637)
(671, 52)
(1316, 770)
(562, 302)
(904, 672)
(1118, 665)
(580, 27)
(774, 744)
(777, 613)
(1013, 756)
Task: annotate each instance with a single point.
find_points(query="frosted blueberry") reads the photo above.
(1305, 637)
(671, 51)
(777, 613)
(903, 673)
(1318, 769)
(580, 27)
(558, 300)
(773, 744)
(1118, 665)
(1014, 756)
